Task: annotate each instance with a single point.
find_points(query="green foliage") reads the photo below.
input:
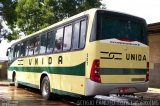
(13, 35)
(9, 13)
(33, 15)
(1, 24)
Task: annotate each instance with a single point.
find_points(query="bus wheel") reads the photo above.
(16, 82)
(45, 88)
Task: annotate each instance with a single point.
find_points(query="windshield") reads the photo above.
(10, 55)
(120, 26)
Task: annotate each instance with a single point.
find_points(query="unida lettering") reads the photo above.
(120, 56)
(49, 60)
(135, 57)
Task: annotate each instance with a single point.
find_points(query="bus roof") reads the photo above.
(87, 12)
(90, 11)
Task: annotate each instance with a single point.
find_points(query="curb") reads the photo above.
(5, 83)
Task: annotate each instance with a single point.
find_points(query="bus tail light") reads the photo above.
(95, 71)
(147, 73)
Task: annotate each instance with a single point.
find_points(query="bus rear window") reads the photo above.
(120, 26)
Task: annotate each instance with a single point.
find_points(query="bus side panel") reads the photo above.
(68, 73)
(10, 73)
(73, 84)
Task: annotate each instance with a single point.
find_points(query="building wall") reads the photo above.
(154, 44)
(3, 71)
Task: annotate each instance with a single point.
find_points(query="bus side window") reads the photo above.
(36, 45)
(31, 47)
(83, 34)
(23, 49)
(27, 47)
(75, 39)
(16, 51)
(67, 38)
(43, 44)
(59, 40)
(50, 41)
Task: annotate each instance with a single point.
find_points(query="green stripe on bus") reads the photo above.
(61, 92)
(29, 84)
(115, 71)
(78, 70)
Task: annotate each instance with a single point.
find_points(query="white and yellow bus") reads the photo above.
(95, 52)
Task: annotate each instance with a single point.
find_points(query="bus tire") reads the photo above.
(16, 82)
(45, 88)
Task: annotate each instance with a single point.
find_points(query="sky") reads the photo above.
(147, 9)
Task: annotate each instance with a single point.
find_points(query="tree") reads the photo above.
(5, 32)
(33, 15)
(9, 15)
(67, 8)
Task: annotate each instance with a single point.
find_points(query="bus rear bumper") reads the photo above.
(94, 88)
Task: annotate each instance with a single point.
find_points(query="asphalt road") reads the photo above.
(12, 96)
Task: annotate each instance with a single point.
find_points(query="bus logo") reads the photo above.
(112, 55)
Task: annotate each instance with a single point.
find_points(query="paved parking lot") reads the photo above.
(11, 96)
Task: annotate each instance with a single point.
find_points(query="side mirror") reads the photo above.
(7, 53)
(8, 50)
